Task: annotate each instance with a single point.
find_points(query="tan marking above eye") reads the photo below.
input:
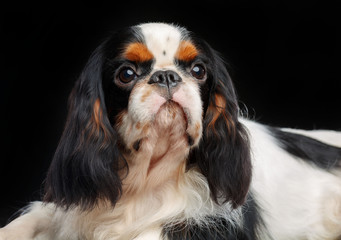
(186, 51)
(138, 52)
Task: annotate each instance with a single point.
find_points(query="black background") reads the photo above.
(285, 60)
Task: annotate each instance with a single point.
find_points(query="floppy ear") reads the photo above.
(84, 167)
(223, 155)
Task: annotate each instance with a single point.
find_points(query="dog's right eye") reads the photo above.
(127, 75)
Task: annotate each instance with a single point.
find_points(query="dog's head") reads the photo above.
(151, 82)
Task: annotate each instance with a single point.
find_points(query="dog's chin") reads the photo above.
(171, 115)
(176, 120)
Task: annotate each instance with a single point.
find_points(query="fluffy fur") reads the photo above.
(154, 148)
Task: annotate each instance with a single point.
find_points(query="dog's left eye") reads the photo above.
(198, 71)
(127, 75)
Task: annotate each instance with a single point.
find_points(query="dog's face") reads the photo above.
(152, 88)
(162, 76)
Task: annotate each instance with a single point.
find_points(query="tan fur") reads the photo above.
(186, 51)
(137, 52)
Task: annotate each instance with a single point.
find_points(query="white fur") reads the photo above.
(191, 202)
(299, 201)
(162, 37)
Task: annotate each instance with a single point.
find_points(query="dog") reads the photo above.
(155, 147)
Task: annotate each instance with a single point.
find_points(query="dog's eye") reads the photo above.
(198, 71)
(127, 75)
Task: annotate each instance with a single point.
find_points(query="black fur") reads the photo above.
(252, 221)
(223, 155)
(84, 167)
(116, 98)
(220, 229)
(311, 150)
(82, 170)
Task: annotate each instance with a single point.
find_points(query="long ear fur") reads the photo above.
(223, 155)
(84, 167)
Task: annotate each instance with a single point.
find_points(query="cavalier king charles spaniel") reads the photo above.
(155, 147)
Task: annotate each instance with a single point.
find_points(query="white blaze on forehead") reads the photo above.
(163, 41)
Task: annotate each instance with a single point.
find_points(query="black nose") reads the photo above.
(165, 78)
